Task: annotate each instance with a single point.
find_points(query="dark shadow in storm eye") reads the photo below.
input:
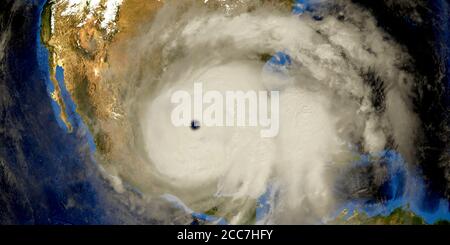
(195, 124)
(318, 17)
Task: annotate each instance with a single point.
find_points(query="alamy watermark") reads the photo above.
(213, 108)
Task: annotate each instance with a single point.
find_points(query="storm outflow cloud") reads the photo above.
(344, 92)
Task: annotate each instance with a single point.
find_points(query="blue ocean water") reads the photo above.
(60, 161)
(42, 55)
(71, 110)
(55, 177)
(422, 201)
(300, 6)
(405, 188)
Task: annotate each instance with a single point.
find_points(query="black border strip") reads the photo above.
(127, 234)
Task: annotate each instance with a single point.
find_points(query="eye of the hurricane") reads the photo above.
(202, 113)
(195, 125)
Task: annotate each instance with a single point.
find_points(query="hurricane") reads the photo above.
(345, 90)
(341, 114)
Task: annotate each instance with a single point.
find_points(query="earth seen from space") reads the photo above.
(224, 112)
